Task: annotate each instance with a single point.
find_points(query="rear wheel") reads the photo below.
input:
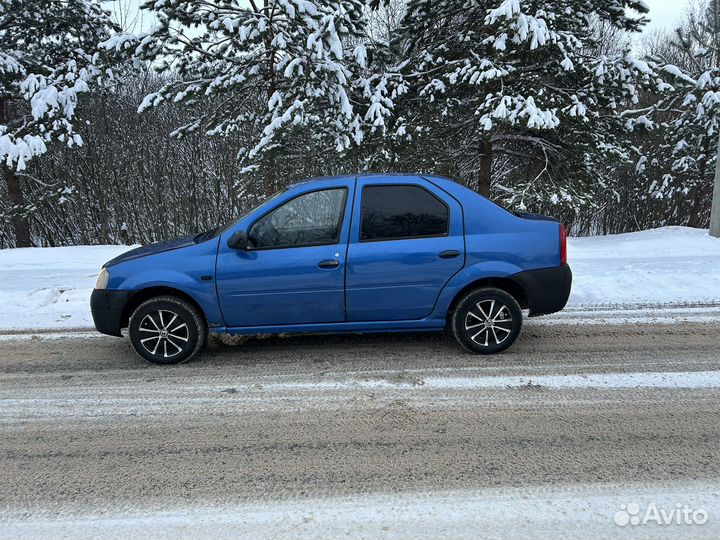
(487, 321)
(167, 330)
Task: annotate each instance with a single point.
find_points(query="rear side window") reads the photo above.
(397, 212)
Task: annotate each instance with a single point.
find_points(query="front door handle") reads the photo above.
(449, 254)
(330, 263)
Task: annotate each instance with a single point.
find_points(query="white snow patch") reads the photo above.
(675, 379)
(658, 266)
(670, 379)
(31, 335)
(50, 287)
(667, 313)
(533, 512)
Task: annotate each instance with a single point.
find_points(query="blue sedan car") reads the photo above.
(359, 253)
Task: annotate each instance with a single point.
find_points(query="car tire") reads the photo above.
(167, 330)
(486, 321)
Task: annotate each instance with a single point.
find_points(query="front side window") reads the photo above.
(396, 212)
(311, 219)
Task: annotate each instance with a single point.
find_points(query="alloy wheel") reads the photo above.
(163, 332)
(489, 322)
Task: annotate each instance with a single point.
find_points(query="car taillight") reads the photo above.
(563, 245)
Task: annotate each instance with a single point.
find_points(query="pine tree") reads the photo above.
(277, 70)
(519, 84)
(48, 56)
(681, 169)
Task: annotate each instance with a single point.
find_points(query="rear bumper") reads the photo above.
(107, 310)
(547, 289)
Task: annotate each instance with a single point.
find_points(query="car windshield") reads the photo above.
(216, 231)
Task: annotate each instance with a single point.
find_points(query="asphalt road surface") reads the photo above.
(91, 435)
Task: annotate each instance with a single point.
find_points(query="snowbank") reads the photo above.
(659, 266)
(50, 287)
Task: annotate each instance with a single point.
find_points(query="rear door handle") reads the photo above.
(449, 254)
(330, 263)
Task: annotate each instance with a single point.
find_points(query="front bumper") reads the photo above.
(107, 310)
(547, 289)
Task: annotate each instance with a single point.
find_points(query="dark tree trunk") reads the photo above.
(696, 194)
(15, 194)
(694, 220)
(270, 187)
(270, 180)
(485, 169)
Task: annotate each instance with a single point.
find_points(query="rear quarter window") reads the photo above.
(395, 212)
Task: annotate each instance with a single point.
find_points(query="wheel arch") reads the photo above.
(503, 283)
(151, 292)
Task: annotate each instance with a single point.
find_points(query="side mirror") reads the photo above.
(238, 240)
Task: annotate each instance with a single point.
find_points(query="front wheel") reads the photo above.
(487, 321)
(166, 330)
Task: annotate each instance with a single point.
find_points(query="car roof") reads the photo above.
(321, 179)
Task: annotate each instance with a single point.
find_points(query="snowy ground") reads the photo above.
(364, 437)
(668, 265)
(538, 513)
(49, 288)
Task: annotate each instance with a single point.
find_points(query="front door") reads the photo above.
(406, 243)
(294, 270)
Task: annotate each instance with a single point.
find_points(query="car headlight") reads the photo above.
(102, 279)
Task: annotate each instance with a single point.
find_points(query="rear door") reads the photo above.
(406, 242)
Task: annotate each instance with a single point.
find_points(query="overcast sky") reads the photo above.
(664, 13)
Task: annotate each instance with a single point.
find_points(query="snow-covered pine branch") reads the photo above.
(524, 67)
(276, 68)
(48, 58)
(679, 170)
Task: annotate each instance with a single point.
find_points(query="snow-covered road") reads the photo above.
(672, 267)
(378, 437)
(535, 512)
